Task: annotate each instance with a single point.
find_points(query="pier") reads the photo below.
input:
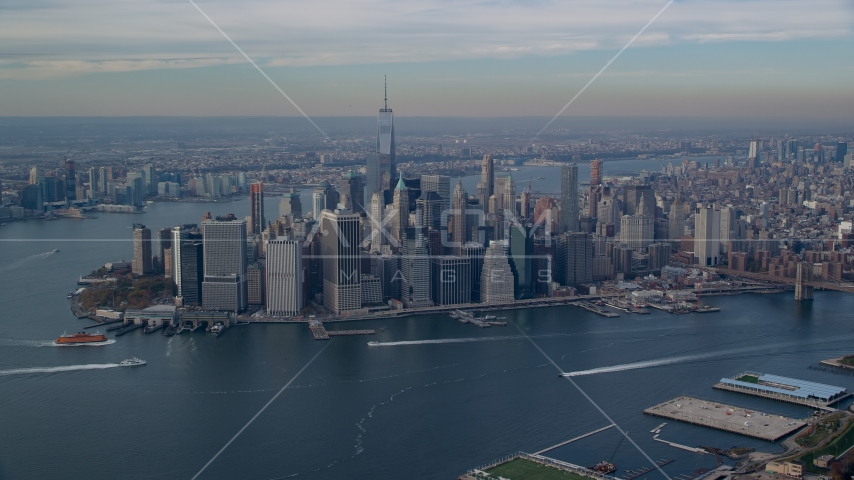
(596, 309)
(128, 328)
(632, 474)
(750, 423)
(680, 446)
(318, 331)
(466, 317)
(109, 322)
(332, 333)
(785, 389)
(594, 432)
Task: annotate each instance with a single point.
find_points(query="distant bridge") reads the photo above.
(803, 282)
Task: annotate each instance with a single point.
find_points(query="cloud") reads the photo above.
(86, 36)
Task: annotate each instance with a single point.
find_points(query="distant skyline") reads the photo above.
(715, 58)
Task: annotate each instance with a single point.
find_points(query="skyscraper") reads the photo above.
(569, 198)
(429, 210)
(179, 236)
(728, 228)
(136, 182)
(400, 211)
(190, 271)
(575, 258)
(486, 186)
(341, 259)
(103, 180)
(415, 288)
(290, 205)
(633, 194)
(141, 264)
(637, 231)
(352, 192)
(841, 151)
(382, 166)
(521, 260)
(677, 220)
(509, 201)
(324, 197)
(376, 221)
(70, 181)
(459, 205)
(754, 150)
(496, 278)
(256, 208)
(35, 176)
(707, 234)
(150, 178)
(595, 172)
(224, 284)
(441, 184)
(284, 277)
(93, 180)
(451, 277)
(164, 242)
(525, 207)
(474, 252)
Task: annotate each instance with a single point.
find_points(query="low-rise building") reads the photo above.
(791, 468)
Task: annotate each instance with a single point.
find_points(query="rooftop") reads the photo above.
(786, 386)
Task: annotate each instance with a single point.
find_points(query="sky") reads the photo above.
(699, 58)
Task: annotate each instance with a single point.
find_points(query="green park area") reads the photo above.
(847, 360)
(126, 293)
(748, 379)
(820, 431)
(836, 447)
(521, 469)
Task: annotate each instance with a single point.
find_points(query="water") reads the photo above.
(435, 399)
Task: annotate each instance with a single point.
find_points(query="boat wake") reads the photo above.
(90, 344)
(50, 343)
(69, 368)
(702, 356)
(24, 260)
(468, 339)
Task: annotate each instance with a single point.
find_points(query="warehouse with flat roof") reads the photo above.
(784, 388)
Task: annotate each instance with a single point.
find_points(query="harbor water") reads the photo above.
(435, 398)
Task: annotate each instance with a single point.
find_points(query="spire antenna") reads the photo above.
(385, 91)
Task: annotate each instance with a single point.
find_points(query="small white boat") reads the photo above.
(55, 250)
(217, 328)
(131, 362)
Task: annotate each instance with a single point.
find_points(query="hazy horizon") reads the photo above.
(718, 58)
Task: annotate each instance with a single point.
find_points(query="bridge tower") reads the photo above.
(802, 291)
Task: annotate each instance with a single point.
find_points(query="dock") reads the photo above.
(318, 331)
(332, 333)
(596, 309)
(680, 446)
(150, 329)
(728, 418)
(658, 428)
(76, 309)
(632, 474)
(467, 317)
(838, 362)
(594, 432)
(128, 328)
(104, 323)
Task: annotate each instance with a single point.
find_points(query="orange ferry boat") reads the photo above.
(81, 337)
